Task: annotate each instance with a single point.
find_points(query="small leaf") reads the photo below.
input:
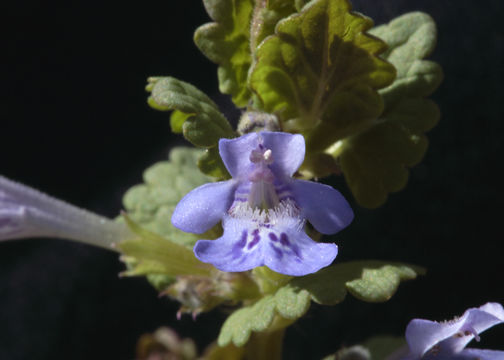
(239, 325)
(292, 303)
(319, 73)
(411, 38)
(226, 42)
(197, 116)
(210, 163)
(286, 305)
(265, 17)
(154, 254)
(151, 204)
(376, 161)
(330, 285)
(177, 119)
(378, 285)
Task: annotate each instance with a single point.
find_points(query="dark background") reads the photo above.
(75, 124)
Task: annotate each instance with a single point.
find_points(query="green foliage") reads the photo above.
(151, 204)
(266, 15)
(231, 40)
(226, 42)
(372, 281)
(287, 302)
(210, 163)
(378, 285)
(197, 115)
(319, 74)
(376, 161)
(382, 346)
(151, 254)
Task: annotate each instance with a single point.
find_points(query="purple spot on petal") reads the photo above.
(255, 239)
(236, 250)
(273, 236)
(278, 252)
(284, 239)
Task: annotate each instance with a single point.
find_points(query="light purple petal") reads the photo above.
(476, 321)
(203, 207)
(235, 154)
(288, 152)
(324, 207)
(237, 250)
(284, 248)
(422, 335)
(288, 250)
(480, 354)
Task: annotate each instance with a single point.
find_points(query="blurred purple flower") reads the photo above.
(27, 213)
(447, 340)
(263, 209)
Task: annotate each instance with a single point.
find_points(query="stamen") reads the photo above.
(268, 157)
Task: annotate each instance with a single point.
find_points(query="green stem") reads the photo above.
(267, 344)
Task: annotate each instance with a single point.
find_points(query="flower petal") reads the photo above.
(422, 335)
(203, 207)
(237, 249)
(288, 152)
(288, 250)
(324, 207)
(452, 336)
(235, 154)
(284, 248)
(476, 321)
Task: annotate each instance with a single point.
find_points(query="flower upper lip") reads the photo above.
(448, 339)
(261, 203)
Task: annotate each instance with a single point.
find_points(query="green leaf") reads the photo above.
(372, 281)
(226, 42)
(151, 204)
(384, 345)
(177, 120)
(150, 254)
(411, 38)
(265, 17)
(376, 161)
(197, 115)
(288, 303)
(378, 285)
(319, 73)
(210, 163)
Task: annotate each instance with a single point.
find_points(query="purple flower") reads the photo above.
(26, 213)
(447, 340)
(263, 209)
